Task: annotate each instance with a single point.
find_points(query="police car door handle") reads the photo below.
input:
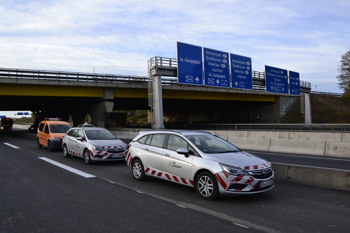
(147, 149)
(166, 154)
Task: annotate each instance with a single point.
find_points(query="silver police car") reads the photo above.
(93, 144)
(201, 160)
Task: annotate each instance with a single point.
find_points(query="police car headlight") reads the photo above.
(233, 170)
(55, 139)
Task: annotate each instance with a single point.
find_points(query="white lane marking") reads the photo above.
(240, 225)
(10, 145)
(73, 170)
(181, 206)
(139, 192)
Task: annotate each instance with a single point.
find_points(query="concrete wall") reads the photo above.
(324, 177)
(330, 144)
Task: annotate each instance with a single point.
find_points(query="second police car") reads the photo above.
(93, 144)
(201, 160)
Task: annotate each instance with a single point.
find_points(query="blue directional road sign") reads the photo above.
(294, 83)
(20, 113)
(216, 68)
(189, 64)
(241, 71)
(276, 80)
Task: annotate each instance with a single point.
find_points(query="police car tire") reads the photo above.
(38, 143)
(138, 171)
(205, 181)
(87, 158)
(49, 146)
(65, 151)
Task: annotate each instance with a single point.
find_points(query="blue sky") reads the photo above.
(118, 37)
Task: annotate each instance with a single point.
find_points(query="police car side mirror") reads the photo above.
(183, 151)
(80, 139)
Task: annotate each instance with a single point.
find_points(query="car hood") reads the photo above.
(58, 135)
(108, 143)
(238, 159)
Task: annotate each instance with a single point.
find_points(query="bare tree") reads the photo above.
(344, 69)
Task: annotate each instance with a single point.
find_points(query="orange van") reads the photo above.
(50, 133)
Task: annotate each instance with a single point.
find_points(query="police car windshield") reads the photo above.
(212, 144)
(59, 128)
(100, 135)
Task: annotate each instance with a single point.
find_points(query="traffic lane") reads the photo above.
(37, 196)
(288, 203)
(307, 160)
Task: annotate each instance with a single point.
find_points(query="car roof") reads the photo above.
(182, 132)
(89, 128)
(55, 122)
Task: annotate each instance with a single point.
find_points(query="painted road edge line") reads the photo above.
(73, 170)
(10, 145)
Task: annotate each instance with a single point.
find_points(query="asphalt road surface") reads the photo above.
(38, 196)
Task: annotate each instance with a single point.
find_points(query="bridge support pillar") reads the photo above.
(99, 112)
(158, 102)
(308, 119)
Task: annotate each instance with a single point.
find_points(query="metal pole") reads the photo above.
(158, 102)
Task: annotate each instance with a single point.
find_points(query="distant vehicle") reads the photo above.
(85, 125)
(201, 160)
(32, 129)
(93, 144)
(50, 133)
(6, 123)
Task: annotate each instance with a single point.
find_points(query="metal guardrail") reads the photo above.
(75, 76)
(272, 127)
(326, 93)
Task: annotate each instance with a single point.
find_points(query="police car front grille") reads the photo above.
(118, 150)
(260, 174)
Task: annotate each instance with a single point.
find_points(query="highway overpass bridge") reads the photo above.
(64, 94)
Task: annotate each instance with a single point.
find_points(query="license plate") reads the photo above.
(117, 156)
(265, 183)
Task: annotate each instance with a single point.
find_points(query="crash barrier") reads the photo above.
(324, 177)
(330, 144)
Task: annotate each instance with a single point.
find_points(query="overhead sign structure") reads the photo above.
(216, 68)
(241, 71)
(189, 64)
(276, 80)
(294, 83)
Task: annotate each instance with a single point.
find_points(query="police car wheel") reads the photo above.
(38, 143)
(49, 146)
(65, 152)
(138, 171)
(87, 158)
(206, 186)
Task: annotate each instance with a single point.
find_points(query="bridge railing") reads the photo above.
(326, 93)
(159, 62)
(76, 76)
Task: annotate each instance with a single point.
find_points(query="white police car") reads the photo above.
(201, 160)
(93, 144)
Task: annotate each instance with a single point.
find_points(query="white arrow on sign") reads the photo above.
(197, 79)
(236, 83)
(217, 81)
